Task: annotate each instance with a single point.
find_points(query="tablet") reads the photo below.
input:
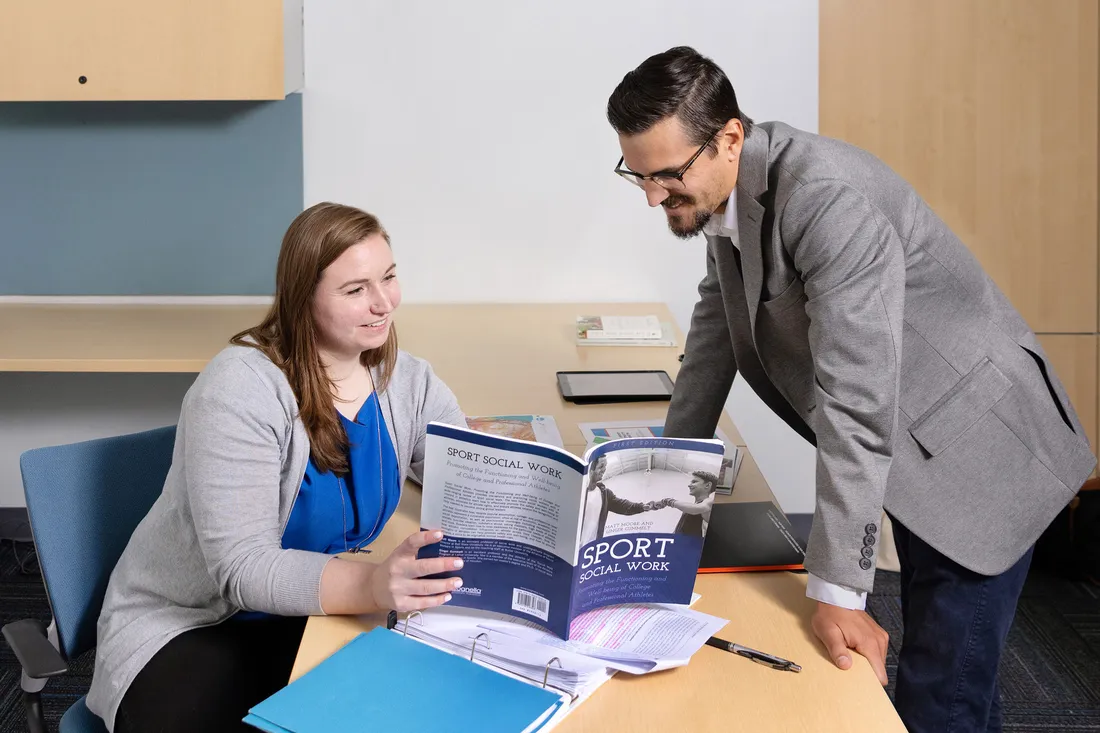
(615, 386)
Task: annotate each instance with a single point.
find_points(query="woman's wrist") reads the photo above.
(346, 587)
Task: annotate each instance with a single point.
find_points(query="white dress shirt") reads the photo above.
(816, 588)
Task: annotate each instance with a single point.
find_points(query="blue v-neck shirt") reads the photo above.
(362, 500)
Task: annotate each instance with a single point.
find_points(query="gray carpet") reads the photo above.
(1050, 674)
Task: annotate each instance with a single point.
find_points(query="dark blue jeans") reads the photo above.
(956, 623)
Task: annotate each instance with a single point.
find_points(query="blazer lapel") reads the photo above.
(752, 182)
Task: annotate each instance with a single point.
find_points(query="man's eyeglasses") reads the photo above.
(667, 181)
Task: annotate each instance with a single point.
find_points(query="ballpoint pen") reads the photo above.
(769, 660)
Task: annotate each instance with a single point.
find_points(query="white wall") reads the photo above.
(50, 409)
(477, 132)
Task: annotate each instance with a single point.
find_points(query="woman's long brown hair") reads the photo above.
(288, 334)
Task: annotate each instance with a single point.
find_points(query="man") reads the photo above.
(695, 515)
(861, 320)
(600, 501)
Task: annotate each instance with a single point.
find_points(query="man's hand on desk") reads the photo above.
(842, 630)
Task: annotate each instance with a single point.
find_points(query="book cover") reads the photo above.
(548, 536)
(749, 536)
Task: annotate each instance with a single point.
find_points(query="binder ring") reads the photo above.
(408, 618)
(546, 672)
(473, 647)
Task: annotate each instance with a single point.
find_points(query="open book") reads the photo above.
(547, 536)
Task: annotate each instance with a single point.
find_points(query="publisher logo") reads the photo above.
(468, 590)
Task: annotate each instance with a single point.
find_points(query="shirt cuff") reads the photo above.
(835, 595)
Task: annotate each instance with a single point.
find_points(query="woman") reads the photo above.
(292, 445)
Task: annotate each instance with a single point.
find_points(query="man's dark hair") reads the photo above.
(680, 82)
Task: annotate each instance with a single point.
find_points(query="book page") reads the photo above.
(510, 510)
(646, 508)
(601, 432)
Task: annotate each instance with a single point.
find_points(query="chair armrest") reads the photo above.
(37, 656)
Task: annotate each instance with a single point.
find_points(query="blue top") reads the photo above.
(332, 514)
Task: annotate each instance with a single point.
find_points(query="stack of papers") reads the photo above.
(636, 638)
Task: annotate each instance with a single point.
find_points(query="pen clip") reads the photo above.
(767, 660)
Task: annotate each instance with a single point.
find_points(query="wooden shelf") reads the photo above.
(523, 339)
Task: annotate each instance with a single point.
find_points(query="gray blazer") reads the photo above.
(212, 543)
(868, 326)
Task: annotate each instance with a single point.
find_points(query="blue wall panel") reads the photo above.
(151, 198)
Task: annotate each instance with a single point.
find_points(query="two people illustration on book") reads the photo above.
(601, 501)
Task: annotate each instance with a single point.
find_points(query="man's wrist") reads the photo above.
(835, 595)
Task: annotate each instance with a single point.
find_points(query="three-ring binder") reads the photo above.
(473, 647)
(391, 623)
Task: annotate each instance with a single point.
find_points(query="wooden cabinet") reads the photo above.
(989, 108)
(76, 50)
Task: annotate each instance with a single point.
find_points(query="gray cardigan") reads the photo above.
(212, 543)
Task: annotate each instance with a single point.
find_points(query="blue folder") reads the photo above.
(383, 681)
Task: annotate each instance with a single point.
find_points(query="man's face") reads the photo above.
(707, 183)
(597, 471)
(699, 488)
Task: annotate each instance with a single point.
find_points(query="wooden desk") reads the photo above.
(501, 360)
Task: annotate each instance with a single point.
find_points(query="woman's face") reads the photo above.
(353, 301)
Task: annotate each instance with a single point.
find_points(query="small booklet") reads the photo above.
(547, 536)
(532, 428)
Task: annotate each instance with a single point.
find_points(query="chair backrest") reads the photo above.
(84, 501)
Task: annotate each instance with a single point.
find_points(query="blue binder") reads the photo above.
(383, 681)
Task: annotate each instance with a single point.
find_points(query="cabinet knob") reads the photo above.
(83, 80)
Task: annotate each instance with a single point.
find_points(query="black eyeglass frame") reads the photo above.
(639, 180)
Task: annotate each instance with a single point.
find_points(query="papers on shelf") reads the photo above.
(614, 328)
(624, 331)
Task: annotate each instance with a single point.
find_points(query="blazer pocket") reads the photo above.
(962, 406)
(790, 295)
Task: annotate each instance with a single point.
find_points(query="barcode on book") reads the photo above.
(530, 603)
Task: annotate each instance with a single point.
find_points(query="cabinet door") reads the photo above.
(141, 50)
(989, 108)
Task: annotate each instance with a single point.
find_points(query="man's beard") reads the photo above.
(697, 223)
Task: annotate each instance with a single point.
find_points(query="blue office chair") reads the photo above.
(84, 501)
